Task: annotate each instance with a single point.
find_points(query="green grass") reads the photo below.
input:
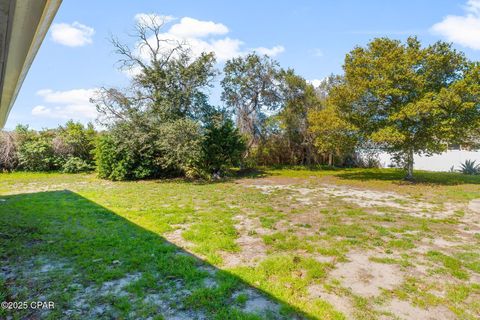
(99, 246)
(451, 264)
(93, 231)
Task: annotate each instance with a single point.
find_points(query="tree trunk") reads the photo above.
(330, 159)
(409, 165)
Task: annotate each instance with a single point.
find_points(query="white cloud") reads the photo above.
(70, 104)
(270, 51)
(224, 48)
(315, 82)
(72, 35)
(41, 111)
(464, 30)
(473, 6)
(193, 28)
(201, 36)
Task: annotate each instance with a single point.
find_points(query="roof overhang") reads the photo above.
(23, 26)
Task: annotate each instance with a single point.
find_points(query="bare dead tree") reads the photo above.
(153, 47)
(165, 77)
(8, 151)
(112, 105)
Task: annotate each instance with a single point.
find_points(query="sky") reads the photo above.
(311, 36)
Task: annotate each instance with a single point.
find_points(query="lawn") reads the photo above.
(285, 243)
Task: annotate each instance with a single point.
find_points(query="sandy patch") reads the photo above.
(365, 277)
(252, 246)
(168, 303)
(176, 238)
(404, 310)
(361, 197)
(257, 303)
(340, 303)
(474, 205)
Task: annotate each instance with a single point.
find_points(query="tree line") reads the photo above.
(393, 96)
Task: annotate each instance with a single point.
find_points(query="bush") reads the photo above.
(68, 148)
(76, 165)
(75, 140)
(180, 148)
(36, 154)
(469, 167)
(173, 148)
(111, 162)
(223, 147)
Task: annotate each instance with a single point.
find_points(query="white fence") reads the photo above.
(439, 162)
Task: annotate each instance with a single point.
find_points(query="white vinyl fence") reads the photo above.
(439, 162)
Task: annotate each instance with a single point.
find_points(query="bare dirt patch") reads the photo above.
(474, 205)
(177, 239)
(367, 278)
(252, 247)
(257, 303)
(406, 311)
(318, 194)
(340, 303)
(168, 303)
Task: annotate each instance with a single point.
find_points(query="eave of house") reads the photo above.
(23, 26)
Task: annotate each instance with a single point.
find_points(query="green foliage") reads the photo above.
(398, 97)
(113, 162)
(162, 128)
(68, 148)
(408, 99)
(37, 154)
(250, 88)
(75, 140)
(470, 167)
(76, 165)
(180, 146)
(333, 134)
(287, 139)
(223, 146)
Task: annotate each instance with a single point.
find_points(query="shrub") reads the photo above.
(36, 154)
(75, 140)
(68, 148)
(180, 148)
(111, 162)
(76, 165)
(223, 147)
(469, 167)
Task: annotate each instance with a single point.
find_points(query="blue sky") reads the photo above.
(310, 36)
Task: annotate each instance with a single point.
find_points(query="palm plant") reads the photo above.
(470, 167)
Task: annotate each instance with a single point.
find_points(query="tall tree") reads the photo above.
(332, 134)
(251, 88)
(155, 125)
(408, 99)
(299, 98)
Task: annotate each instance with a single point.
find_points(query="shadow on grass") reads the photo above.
(252, 173)
(398, 176)
(59, 246)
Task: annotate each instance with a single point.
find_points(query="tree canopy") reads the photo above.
(157, 126)
(399, 97)
(250, 89)
(409, 99)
